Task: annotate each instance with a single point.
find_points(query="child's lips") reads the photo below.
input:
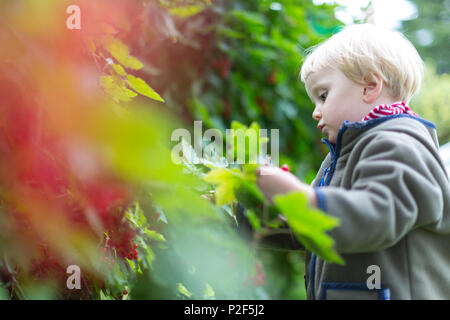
(321, 128)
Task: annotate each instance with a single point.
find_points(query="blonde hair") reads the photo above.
(362, 50)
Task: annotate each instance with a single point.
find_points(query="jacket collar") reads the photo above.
(361, 126)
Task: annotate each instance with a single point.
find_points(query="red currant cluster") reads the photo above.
(133, 255)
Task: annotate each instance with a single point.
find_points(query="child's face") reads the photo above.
(337, 98)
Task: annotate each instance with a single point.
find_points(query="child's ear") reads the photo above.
(372, 89)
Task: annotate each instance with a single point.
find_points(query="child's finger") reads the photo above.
(268, 170)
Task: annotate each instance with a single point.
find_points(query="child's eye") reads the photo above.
(323, 96)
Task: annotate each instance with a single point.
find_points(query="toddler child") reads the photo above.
(383, 176)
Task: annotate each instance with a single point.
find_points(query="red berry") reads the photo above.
(285, 167)
(135, 246)
(124, 292)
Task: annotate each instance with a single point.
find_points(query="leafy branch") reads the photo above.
(308, 224)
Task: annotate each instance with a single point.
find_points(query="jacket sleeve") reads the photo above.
(393, 190)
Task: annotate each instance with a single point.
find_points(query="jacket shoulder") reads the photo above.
(405, 131)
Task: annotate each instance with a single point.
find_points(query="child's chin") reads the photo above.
(332, 139)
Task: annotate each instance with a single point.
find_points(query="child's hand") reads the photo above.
(273, 181)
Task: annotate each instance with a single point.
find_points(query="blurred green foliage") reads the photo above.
(432, 101)
(430, 32)
(239, 60)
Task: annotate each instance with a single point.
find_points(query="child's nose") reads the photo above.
(316, 114)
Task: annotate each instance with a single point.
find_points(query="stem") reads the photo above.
(14, 284)
(85, 284)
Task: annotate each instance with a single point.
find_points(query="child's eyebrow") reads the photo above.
(318, 85)
(315, 87)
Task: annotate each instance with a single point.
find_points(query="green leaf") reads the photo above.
(143, 88)
(230, 33)
(254, 22)
(118, 69)
(253, 219)
(153, 235)
(252, 137)
(226, 181)
(116, 88)
(183, 290)
(149, 256)
(187, 11)
(103, 296)
(121, 53)
(309, 225)
(209, 292)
